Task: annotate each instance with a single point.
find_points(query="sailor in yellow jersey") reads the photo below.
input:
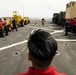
(8, 22)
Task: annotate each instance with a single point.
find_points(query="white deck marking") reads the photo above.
(38, 27)
(55, 31)
(15, 44)
(68, 40)
(9, 46)
(45, 27)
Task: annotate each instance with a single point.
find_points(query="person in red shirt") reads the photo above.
(0, 23)
(1, 28)
(42, 48)
(71, 25)
(74, 28)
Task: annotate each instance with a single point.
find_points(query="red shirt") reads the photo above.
(0, 25)
(74, 21)
(50, 71)
(71, 23)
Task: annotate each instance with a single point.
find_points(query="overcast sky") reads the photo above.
(32, 8)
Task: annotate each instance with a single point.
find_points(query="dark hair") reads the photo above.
(0, 19)
(41, 45)
(4, 18)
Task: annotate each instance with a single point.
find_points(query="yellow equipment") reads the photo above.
(26, 19)
(17, 17)
(8, 23)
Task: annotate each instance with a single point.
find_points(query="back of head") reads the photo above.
(0, 19)
(4, 18)
(41, 45)
(42, 18)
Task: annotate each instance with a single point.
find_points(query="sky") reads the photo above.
(32, 8)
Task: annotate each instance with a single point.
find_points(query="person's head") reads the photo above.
(42, 48)
(4, 18)
(13, 18)
(42, 18)
(0, 20)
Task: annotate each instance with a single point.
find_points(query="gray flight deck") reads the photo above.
(13, 49)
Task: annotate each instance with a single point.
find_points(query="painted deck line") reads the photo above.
(57, 31)
(68, 40)
(38, 27)
(15, 44)
(48, 29)
(44, 27)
